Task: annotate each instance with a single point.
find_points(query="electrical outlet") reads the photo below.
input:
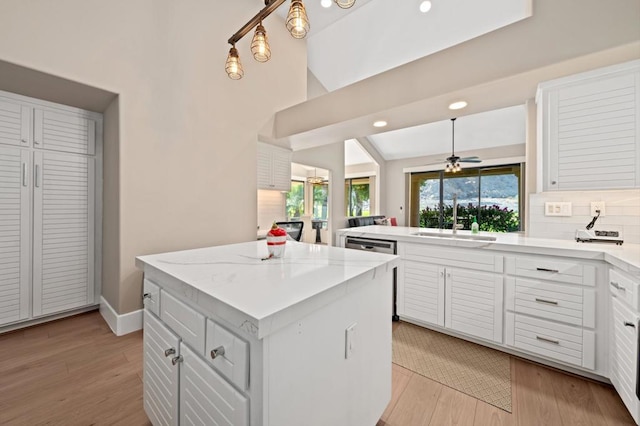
(597, 205)
(350, 340)
(557, 209)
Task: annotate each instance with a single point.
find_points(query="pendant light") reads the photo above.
(260, 45)
(297, 21)
(233, 65)
(345, 4)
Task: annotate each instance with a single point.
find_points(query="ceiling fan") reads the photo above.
(453, 161)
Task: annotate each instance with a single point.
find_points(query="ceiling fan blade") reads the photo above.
(470, 160)
(443, 162)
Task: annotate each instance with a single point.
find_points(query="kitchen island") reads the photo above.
(232, 338)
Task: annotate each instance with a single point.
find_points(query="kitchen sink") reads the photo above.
(455, 236)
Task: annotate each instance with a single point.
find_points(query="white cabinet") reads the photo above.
(14, 123)
(206, 398)
(63, 214)
(451, 288)
(588, 130)
(182, 385)
(551, 308)
(274, 167)
(624, 342)
(48, 198)
(15, 235)
(474, 303)
(161, 371)
(64, 132)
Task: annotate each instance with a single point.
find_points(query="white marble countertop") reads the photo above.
(626, 256)
(237, 276)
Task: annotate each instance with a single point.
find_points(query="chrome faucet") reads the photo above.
(454, 228)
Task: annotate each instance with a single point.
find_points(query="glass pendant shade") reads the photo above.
(260, 45)
(297, 21)
(233, 67)
(345, 4)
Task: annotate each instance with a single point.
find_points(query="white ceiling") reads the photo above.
(495, 128)
(345, 46)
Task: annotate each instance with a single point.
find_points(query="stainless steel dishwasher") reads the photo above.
(378, 246)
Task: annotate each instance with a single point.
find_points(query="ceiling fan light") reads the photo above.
(325, 3)
(297, 21)
(260, 45)
(233, 66)
(345, 4)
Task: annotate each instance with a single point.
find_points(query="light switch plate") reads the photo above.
(558, 208)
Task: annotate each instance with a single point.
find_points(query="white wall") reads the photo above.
(187, 147)
(622, 210)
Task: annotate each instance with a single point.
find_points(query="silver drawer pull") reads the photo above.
(176, 360)
(544, 339)
(219, 351)
(547, 270)
(548, 302)
(617, 286)
(363, 247)
(629, 324)
(170, 351)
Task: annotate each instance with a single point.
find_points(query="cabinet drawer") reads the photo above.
(625, 289)
(556, 302)
(185, 321)
(568, 344)
(468, 259)
(151, 296)
(232, 361)
(545, 268)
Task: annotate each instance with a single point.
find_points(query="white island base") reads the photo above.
(306, 338)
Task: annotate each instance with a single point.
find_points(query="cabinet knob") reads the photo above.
(629, 324)
(553, 182)
(219, 351)
(146, 296)
(23, 140)
(617, 286)
(176, 360)
(170, 351)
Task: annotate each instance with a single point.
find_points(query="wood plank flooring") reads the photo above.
(76, 372)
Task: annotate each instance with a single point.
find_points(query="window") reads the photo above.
(492, 195)
(356, 197)
(295, 200)
(320, 201)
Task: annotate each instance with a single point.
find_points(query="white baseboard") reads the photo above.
(120, 324)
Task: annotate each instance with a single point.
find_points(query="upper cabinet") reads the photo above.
(64, 132)
(274, 167)
(14, 123)
(588, 130)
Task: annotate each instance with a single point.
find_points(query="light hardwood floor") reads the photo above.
(76, 372)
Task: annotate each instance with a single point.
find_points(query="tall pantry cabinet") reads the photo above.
(50, 164)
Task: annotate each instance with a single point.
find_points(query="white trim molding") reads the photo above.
(483, 163)
(120, 324)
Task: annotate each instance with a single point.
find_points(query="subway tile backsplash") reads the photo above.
(622, 209)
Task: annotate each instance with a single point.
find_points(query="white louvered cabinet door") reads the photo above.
(14, 123)
(14, 234)
(63, 227)
(64, 132)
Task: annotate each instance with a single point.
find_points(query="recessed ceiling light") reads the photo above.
(458, 105)
(425, 6)
(379, 123)
(326, 3)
